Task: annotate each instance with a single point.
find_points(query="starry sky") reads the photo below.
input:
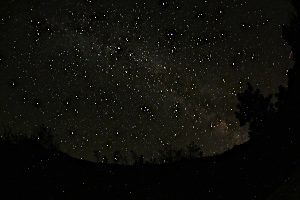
(138, 75)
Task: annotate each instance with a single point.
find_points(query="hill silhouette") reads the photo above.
(254, 169)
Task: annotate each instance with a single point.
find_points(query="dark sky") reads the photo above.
(137, 75)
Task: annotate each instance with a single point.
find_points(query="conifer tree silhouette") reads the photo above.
(193, 150)
(291, 34)
(254, 108)
(105, 160)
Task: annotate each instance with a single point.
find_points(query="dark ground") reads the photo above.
(257, 169)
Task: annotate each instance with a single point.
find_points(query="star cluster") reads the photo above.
(134, 75)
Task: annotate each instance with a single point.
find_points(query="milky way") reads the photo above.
(134, 75)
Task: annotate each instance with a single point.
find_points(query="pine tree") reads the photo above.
(291, 34)
(253, 108)
(193, 150)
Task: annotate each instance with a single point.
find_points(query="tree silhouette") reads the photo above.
(21, 138)
(201, 154)
(137, 160)
(7, 134)
(167, 155)
(152, 159)
(254, 108)
(141, 160)
(178, 154)
(291, 34)
(125, 161)
(134, 157)
(281, 95)
(117, 156)
(105, 160)
(170, 154)
(45, 137)
(97, 155)
(193, 150)
(42, 136)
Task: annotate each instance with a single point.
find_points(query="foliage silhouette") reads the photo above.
(193, 150)
(141, 160)
(7, 135)
(167, 155)
(253, 108)
(171, 154)
(117, 156)
(281, 95)
(134, 157)
(43, 136)
(152, 160)
(97, 155)
(178, 154)
(291, 34)
(105, 160)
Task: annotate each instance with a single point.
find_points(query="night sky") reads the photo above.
(138, 75)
